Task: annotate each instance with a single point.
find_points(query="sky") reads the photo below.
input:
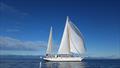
(25, 25)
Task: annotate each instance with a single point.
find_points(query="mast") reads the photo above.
(68, 34)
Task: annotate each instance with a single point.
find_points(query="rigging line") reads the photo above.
(68, 37)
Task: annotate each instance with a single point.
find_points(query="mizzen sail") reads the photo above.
(49, 48)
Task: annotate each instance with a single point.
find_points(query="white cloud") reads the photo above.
(8, 43)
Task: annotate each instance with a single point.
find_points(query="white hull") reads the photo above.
(64, 59)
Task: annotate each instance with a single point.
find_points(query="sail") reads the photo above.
(49, 48)
(72, 40)
(76, 40)
(64, 46)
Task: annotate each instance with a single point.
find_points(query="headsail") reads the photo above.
(49, 48)
(76, 40)
(72, 40)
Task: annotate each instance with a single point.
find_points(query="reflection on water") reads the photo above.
(71, 65)
(64, 65)
(83, 64)
(40, 65)
(32, 63)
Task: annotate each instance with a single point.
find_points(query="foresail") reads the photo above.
(76, 40)
(64, 46)
(49, 48)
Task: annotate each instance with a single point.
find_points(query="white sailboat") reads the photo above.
(71, 47)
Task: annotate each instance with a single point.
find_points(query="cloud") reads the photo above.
(8, 43)
(10, 29)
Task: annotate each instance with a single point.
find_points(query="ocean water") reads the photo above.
(30, 62)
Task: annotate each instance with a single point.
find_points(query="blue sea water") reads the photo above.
(20, 62)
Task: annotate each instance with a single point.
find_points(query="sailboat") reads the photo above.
(71, 47)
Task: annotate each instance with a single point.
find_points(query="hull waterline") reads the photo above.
(64, 59)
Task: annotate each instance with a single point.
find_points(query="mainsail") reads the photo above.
(49, 48)
(72, 41)
(64, 46)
